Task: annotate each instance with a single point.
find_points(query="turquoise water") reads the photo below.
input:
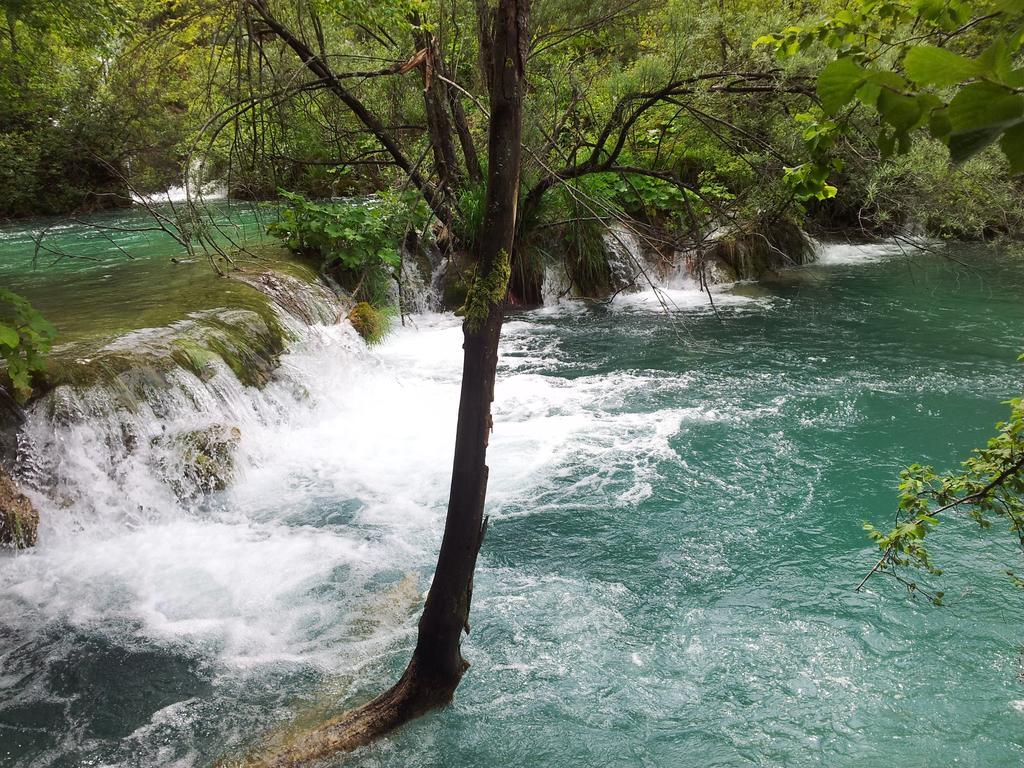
(117, 271)
(676, 507)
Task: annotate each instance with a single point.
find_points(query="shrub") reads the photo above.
(25, 338)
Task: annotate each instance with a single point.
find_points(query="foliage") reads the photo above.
(988, 486)
(976, 202)
(25, 338)
(355, 240)
(75, 112)
(947, 68)
(96, 97)
(472, 200)
(352, 234)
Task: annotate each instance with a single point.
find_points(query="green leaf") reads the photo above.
(929, 65)
(996, 60)
(929, 9)
(9, 336)
(1010, 6)
(901, 112)
(1012, 144)
(978, 114)
(838, 83)
(939, 125)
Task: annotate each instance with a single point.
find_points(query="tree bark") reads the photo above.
(437, 665)
(439, 126)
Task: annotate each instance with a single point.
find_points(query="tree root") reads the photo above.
(411, 697)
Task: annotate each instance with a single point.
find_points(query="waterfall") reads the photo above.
(143, 428)
(193, 187)
(861, 253)
(420, 284)
(638, 271)
(625, 256)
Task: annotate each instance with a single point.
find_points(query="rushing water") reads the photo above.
(676, 504)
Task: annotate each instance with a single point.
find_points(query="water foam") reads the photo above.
(866, 253)
(642, 281)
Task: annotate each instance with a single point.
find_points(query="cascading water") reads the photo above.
(642, 279)
(625, 256)
(193, 188)
(667, 576)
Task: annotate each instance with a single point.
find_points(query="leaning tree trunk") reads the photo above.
(437, 666)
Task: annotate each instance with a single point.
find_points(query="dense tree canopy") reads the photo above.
(670, 113)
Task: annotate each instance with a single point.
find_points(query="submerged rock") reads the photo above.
(200, 460)
(19, 520)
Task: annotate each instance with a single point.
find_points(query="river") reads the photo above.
(676, 503)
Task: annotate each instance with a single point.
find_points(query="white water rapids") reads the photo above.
(318, 553)
(342, 466)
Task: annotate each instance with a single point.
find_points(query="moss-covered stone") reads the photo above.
(19, 520)
(195, 358)
(761, 248)
(371, 323)
(249, 343)
(200, 460)
(456, 279)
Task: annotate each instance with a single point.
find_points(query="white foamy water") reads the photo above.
(341, 480)
(604, 597)
(214, 190)
(866, 253)
(643, 283)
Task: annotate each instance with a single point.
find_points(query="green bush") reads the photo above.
(354, 241)
(25, 338)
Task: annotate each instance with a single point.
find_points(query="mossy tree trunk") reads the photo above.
(446, 612)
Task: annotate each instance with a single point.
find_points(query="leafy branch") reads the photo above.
(967, 99)
(990, 484)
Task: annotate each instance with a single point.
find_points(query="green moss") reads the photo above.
(371, 323)
(250, 344)
(486, 292)
(194, 357)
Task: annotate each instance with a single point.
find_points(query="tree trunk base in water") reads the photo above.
(412, 696)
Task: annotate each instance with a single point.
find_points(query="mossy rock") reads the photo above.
(371, 323)
(19, 520)
(760, 249)
(456, 279)
(298, 291)
(201, 460)
(194, 358)
(249, 343)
